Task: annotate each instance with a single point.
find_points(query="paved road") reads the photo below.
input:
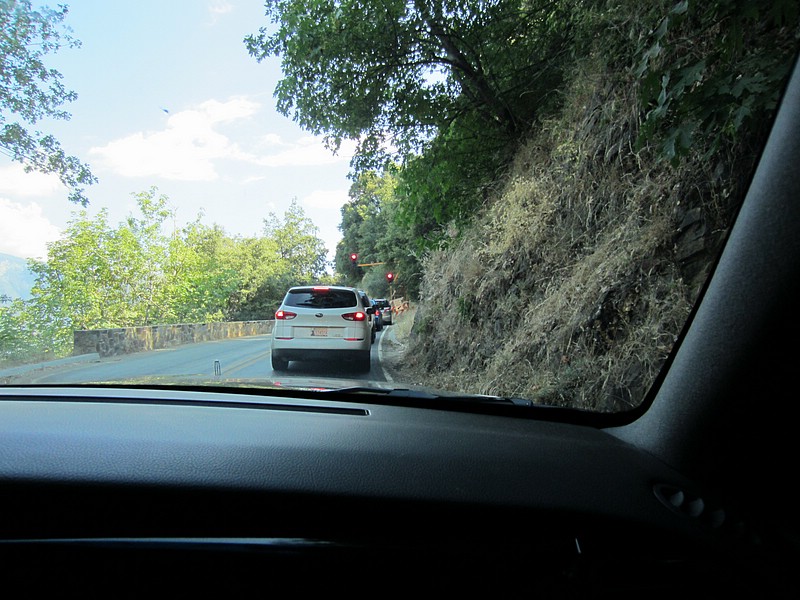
(242, 359)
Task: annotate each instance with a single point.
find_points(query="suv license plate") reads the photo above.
(319, 332)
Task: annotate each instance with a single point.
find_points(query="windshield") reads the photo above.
(536, 192)
(320, 298)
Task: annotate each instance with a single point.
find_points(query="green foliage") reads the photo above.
(374, 282)
(199, 277)
(466, 309)
(371, 226)
(444, 88)
(30, 91)
(290, 253)
(702, 77)
(16, 339)
(297, 244)
(101, 276)
(450, 181)
(363, 224)
(448, 89)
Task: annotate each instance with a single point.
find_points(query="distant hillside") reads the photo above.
(16, 280)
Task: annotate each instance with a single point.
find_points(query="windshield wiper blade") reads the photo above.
(423, 395)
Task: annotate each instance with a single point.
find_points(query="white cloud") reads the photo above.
(14, 181)
(326, 199)
(254, 179)
(307, 151)
(324, 209)
(235, 108)
(24, 230)
(272, 139)
(185, 150)
(220, 7)
(190, 146)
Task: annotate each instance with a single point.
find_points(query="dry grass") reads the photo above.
(572, 286)
(402, 324)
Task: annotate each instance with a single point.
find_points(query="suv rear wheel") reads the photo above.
(279, 364)
(364, 362)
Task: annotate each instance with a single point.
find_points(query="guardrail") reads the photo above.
(126, 340)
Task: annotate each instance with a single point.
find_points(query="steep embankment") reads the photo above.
(575, 281)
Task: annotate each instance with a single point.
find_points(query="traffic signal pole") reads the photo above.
(390, 276)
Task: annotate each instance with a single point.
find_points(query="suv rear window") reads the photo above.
(320, 298)
(382, 303)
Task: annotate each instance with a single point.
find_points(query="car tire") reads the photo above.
(364, 362)
(279, 364)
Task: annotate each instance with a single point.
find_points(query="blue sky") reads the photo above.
(221, 148)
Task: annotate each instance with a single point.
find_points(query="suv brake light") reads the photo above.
(354, 316)
(285, 315)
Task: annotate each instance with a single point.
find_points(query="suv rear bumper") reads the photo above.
(354, 354)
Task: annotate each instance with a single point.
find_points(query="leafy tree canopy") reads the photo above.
(142, 272)
(298, 244)
(393, 73)
(30, 91)
(371, 227)
(696, 87)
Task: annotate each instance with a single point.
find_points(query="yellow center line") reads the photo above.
(232, 368)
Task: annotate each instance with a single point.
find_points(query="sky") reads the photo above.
(169, 97)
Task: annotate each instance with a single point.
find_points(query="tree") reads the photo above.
(303, 253)
(363, 224)
(201, 275)
(289, 253)
(262, 278)
(371, 224)
(74, 288)
(30, 91)
(14, 338)
(690, 94)
(98, 276)
(444, 88)
(399, 72)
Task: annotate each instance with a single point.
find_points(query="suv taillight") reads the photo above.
(285, 315)
(356, 316)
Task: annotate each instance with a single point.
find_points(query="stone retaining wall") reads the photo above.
(125, 340)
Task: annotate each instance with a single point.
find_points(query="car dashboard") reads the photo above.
(132, 492)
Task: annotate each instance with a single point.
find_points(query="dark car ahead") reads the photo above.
(377, 316)
(385, 310)
(368, 308)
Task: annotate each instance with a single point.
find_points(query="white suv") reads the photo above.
(321, 322)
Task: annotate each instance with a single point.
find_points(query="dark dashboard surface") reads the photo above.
(140, 488)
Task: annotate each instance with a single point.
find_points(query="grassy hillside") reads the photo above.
(575, 280)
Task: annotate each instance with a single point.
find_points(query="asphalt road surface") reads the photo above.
(245, 360)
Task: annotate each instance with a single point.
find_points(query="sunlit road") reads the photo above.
(237, 359)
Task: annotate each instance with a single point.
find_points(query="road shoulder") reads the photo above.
(392, 347)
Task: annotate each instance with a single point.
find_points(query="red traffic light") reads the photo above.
(390, 277)
(353, 257)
